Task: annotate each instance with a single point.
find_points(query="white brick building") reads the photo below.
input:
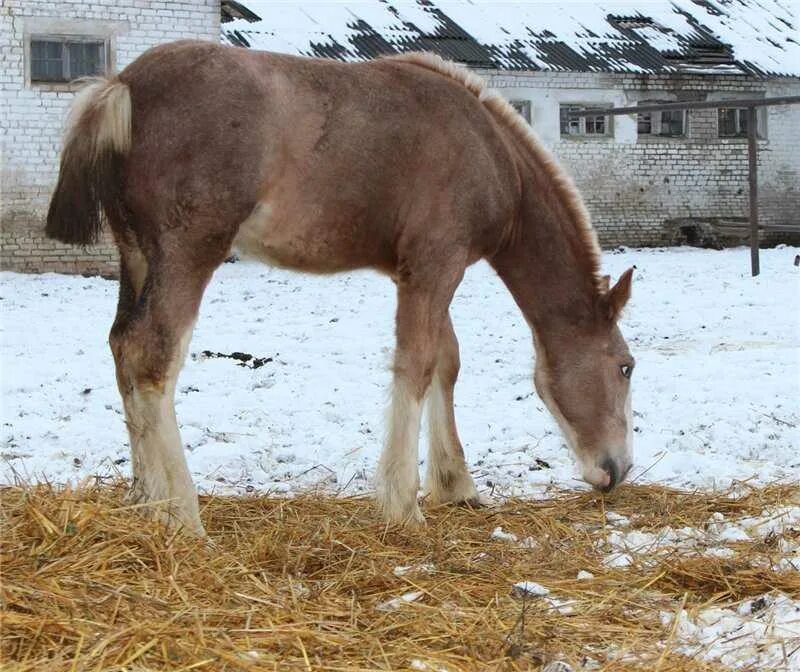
(658, 189)
(32, 112)
(647, 181)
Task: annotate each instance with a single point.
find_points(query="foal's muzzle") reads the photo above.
(616, 474)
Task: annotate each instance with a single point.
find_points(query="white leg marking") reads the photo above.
(398, 473)
(160, 471)
(447, 478)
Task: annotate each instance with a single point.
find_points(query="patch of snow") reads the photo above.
(583, 575)
(648, 547)
(616, 560)
(773, 521)
(757, 636)
(501, 535)
(529, 589)
(417, 664)
(557, 666)
(397, 602)
(719, 552)
(614, 518)
(651, 544)
(563, 607)
(733, 533)
(423, 568)
(788, 565)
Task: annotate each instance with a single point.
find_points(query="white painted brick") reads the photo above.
(624, 184)
(33, 116)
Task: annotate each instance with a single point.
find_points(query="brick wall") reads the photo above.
(636, 187)
(33, 114)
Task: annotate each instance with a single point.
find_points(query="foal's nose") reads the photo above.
(615, 473)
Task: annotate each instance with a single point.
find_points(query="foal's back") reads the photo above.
(313, 164)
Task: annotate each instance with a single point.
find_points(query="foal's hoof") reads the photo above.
(409, 517)
(174, 522)
(192, 529)
(412, 518)
(475, 502)
(415, 518)
(467, 497)
(172, 517)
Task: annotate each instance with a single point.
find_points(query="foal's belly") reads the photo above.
(314, 242)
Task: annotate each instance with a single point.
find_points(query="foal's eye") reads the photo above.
(626, 370)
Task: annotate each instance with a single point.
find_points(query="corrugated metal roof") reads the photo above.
(647, 36)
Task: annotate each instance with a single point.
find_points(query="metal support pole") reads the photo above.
(752, 158)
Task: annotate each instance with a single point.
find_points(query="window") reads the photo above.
(62, 59)
(523, 107)
(733, 122)
(672, 122)
(594, 125)
(644, 124)
(665, 123)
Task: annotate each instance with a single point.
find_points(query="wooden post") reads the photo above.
(752, 158)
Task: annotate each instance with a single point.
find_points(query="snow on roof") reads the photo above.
(712, 36)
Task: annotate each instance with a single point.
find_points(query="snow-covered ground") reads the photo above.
(716, 387)
(717, 399)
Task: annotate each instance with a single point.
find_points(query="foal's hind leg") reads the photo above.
(421, 310)
(149, 340)
(447, 478)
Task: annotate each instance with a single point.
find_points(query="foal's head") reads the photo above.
(583, 374)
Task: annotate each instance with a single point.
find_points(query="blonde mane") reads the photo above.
(501, 109)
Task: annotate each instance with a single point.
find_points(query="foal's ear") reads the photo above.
(618, 295)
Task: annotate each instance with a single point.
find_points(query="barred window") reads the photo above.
(673, 123)
(644, 123)
(592, 126)
(523, 107)
(663, 123)
(62, 59)
(732, 122)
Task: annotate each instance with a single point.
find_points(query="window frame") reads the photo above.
(683, 119)
(584, 122)
(65, 40)
(656, 121)
(523, 108)
(740, 117)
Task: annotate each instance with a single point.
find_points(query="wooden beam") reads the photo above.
(752, 174)
(690, 105)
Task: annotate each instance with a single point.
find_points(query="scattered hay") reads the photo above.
(317, 583)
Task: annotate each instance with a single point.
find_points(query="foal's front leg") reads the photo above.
(421, 310)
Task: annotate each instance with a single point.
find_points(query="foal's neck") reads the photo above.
(550, 264)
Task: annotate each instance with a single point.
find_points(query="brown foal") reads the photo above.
(405, 165)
